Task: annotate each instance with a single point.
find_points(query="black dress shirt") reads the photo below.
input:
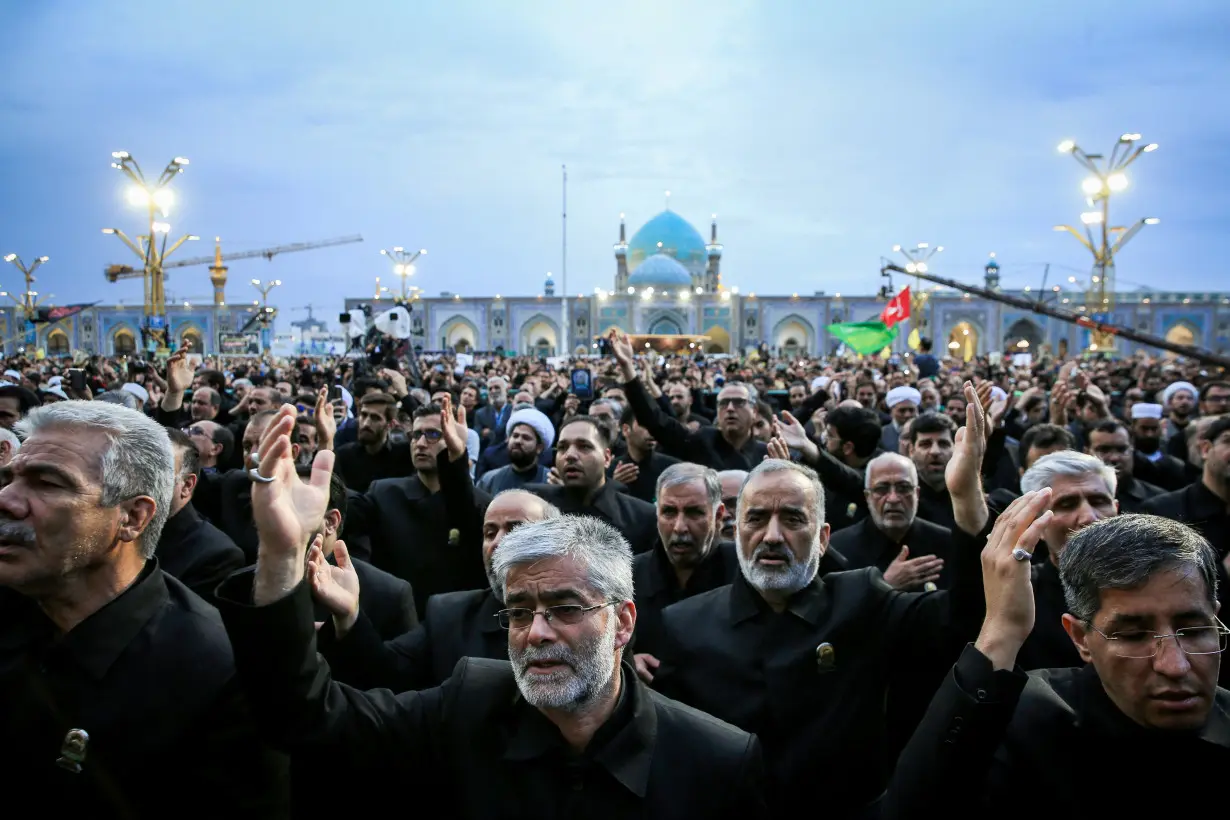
(705, 446)
(196, 552)
(359, 468)
(866, 545)
(636, 519)
(657, 587)
(645, 487)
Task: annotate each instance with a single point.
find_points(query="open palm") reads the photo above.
(287, 510)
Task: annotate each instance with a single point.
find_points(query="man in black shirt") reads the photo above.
(640, 468)
(117, 681)
(373, 456)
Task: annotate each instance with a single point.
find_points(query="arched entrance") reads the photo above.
(1181, 334)
(1022, 330)
(719, 339)
(963, 341)
(539, 337)
(792, 336)
(790, 348)
(462, 345)
(192, 338)
(459, 334)
(57, 343)
(665, 326)
(124, 342)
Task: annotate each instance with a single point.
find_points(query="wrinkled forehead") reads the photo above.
(548, 580)
(784, 488)
(890, 472)
(733, 391)
(1085, 484)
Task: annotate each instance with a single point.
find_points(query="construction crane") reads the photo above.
(117, 272)
(308, 308)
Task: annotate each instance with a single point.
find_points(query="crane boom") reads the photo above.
(116, 272)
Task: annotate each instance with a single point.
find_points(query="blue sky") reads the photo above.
(821, 133)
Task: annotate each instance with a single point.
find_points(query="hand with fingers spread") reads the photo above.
(1006, 577)
(777, 448)
(335, 587)
(963, 474)
(912, 573)
(626, 473)
(621, 347)
(326, 425)
(286, 510)
(453, 428)
(790, 431)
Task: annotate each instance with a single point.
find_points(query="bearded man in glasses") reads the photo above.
(1141, 595)
(566, 729)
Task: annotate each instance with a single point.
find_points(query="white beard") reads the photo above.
(571, 688)
(788, 579)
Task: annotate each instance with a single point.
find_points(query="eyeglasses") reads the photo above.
(567, 614)
(431, 435)
(901, 488)
(1193, 640)
(731, 401)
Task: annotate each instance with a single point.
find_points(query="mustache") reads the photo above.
(15, 532)
(547, 652)
(773, 551)
(682, 540)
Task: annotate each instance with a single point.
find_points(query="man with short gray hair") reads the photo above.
(806, 660)
(9, 445)
(100, 645)
(1142, 613)
(566, 729)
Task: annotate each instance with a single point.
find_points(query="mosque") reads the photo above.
(668, 293)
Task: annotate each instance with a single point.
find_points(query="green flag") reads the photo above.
(865, 337)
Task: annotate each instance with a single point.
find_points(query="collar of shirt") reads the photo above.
(714, 571)
(95, 643)
(1095, 710)
(1155, 456)
(623, 745)
(1203, 503)
(810, 603)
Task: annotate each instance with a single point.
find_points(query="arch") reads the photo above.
(458, 333)
(665, 325)
(57, 343)
(123, 340)
(719, 339)
(793, 335)
(1023, 330)
(963, 341)
(1183, 333)
(539, 332)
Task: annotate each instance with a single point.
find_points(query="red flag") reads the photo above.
(897, 309)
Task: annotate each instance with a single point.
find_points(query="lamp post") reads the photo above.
(156, 197)
(29, 301)
(1106, 177)
(403, 266)
(267, 313)
(917, 259)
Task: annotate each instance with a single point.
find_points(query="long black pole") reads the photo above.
(1197, 353)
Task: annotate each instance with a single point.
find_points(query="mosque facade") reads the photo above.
(668, 292)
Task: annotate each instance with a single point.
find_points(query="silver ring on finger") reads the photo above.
(255, 475)
(1022, 554)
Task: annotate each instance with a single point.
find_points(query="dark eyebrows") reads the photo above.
(46, 469)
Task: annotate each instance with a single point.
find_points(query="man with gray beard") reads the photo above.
(806, 660)
(564, 730)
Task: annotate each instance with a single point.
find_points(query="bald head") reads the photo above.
(507, 511)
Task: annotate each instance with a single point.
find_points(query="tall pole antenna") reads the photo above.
(564, 327)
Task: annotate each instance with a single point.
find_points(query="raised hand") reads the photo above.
(791, 432)
(961, 476)
(335, 587)
(1006, 577)
(326, 425)
(287, 511)
(912, 573)
(453, 428)
(626, 472)
(777, 449)
(621, 348)
(179, 370)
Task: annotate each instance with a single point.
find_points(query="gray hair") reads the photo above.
(616, 407)
(11, 437)
(686, 471)
(592, 543)
(138, 460)
(777, 465)
(752, 395)
(1124, 552)
(1044, 471)
(549, 510)
(890, 458)
(121, 397)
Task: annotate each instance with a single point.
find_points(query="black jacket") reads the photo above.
(458, 625)
(865, 545)
(151, 679)
(636, 519)
(359, 468)
(226, 500)
(476, 744)
(1132, 494)
(386, 602)
(1168, 472)
(705, 446)
(646, 485)
(811, 682)
(989, 744)
(1198, 507)
(197, 553)
(656, 587)
(432, 540)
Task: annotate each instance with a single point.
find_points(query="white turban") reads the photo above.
(137, 390)
(1143, 410)
(900, 394)
(1169, 392)
(535, 419)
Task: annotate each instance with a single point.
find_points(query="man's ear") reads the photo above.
(135, 515)
(332, 522)
(1079, 634)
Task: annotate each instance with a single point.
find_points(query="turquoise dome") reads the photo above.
(679, 240)
(660, 271)
(993, 265)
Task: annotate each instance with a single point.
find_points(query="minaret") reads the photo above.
(621, 258)
(217, 274)
(713, 271)
(548, 288)
(992, 273)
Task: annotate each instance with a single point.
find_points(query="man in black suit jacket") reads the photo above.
(582, 455)
(117, 681)
(564, 729)
(458, 624)
(190, 548)
(1151, 462)
(1110, 442)
(912, 553)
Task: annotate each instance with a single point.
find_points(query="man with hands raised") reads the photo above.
(1141, 596)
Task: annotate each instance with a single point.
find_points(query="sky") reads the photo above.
(820, 133)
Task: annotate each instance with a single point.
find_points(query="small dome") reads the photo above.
(668, 233)
(660, 270)
(550, 279)
(992, 264)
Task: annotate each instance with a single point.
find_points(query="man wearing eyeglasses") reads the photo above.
(214, 444)
(1141, 596)
(729, 445)
(565, 729)
(911, 552)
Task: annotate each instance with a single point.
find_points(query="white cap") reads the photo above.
(13, 374)
(137, 390)
(1175, 388)
(55, 391)
(537, 420)
(1144, 410)
(819, 383)
(900, 394)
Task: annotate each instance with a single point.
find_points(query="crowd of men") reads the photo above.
(703, 587)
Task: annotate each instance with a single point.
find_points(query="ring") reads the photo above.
(255, 475)
(1022, 554)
